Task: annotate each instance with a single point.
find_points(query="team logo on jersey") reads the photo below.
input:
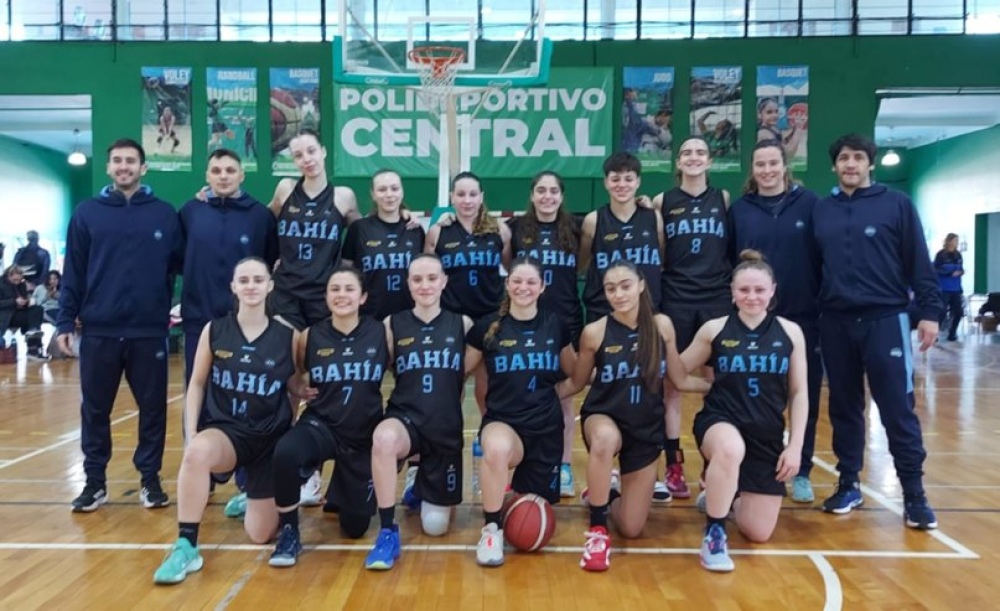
(269, 363)
(244, 239)
(529, 343)
(245, 358)
(371, 351)
(870, 231)
(752, 345)
(451, 245)
(325, 352)
(223, 354)
(730, 343)
(157, 235)
(406, 341)
(550, 342)
(645, 234)
(507, 343)
(373, 243)
(428, 340)
(777, 345)
(409, 244)
(610, 237)
(714, 210)
(896, 352)
(348, 351)
(696, 210)
(613, 349)
(449, 340)
(677, 211)
(310, 213)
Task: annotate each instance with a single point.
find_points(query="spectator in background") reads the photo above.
(16, 311)
(34, 260)
(46, 296)
(948, 265)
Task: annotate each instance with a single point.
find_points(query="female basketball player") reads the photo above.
(244, 363)
(760, 369)
(551, 235)
(526, 350)
(774, 217)
(424, 415)
(471, 251)
(695, 279)
(381, 245)
(627, 353)
(345, 357)
(768, 115)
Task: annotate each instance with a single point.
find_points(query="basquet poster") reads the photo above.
(232, 107)
(783, 110)
(294, 106)
(716, 113)
(166, 118)
(648, 116)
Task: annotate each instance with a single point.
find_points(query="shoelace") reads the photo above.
(715, 543)
(596, 542)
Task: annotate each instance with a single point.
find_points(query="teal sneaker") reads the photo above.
(802, 490)
(567, 489)
(236, 507)
(386, 551)
(183, 559)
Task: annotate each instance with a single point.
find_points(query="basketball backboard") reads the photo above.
(504, 43)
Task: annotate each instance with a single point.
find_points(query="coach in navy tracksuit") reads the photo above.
(872, 249)
(219, 232)
(774, 217)
(121, 249)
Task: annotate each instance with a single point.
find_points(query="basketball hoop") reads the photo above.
(437, 67)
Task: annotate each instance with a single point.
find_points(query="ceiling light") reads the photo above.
(77, 157)
(890, 159)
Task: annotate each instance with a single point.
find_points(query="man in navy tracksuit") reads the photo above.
(230, 226)
(122, 248)
(872, 248)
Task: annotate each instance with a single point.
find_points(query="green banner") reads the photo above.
(564, 126)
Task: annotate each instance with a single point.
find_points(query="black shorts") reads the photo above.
(760, 463)
(351, 483)
(296, 311)
(636, 453)
(439, 478)
(255, 454)
(538, 472)
(687, 320)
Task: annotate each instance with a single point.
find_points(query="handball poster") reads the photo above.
(166, 118)
(783, 110)
(648, 116)
(294, 106)
(717, 113)
(232, 107)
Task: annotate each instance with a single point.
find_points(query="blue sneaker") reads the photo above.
(567, 488)
(183, 559)
(411, 499)
(847, 497)
(386, 550)
(802, 490)
(715, 550)
(288, 548)
(236, 507)
(918, 514)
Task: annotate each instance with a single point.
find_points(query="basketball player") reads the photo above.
(471, 251)
(695, 279)
(424, 415)
(759, 363)
(628, 353)
(166, 123)
(244, 365)
(774, 217)
(526, 350)
(551, 235)
(872, 248)
(345, 357)
(218, 128)
(381, 245)
(122, 248)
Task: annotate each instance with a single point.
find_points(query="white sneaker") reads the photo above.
(661, 494)
(489, 550)
(311, 493)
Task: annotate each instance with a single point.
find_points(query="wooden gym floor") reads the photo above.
(52, 558)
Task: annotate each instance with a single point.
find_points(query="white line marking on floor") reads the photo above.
(831, 583)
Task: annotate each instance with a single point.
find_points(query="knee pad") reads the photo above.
(354, 525)
(434, 519)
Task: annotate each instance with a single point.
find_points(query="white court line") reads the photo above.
(642, 551)
(831, 582)
(71, 437)
(897, 508)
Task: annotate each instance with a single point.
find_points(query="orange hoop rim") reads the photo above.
(438, 58)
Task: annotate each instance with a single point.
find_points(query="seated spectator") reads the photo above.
(992, 305)
(16, 311)
(47, 296)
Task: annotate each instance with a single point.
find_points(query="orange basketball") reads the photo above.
(529, 522)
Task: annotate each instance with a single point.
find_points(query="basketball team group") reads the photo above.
(295, 313)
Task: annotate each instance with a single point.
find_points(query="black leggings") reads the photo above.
(953, 311)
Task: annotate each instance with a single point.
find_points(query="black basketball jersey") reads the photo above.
(618, 390)
(697, 266)
(247, 387)
(383, 251)
(523, 367)
(558, 267)
(635, 240)
(472, 263)
(751, 374)
(429, 362)
(347, 371)
(309, 236)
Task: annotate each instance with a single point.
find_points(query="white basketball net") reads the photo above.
(437, 68)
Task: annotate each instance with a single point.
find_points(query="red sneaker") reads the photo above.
(597, 550)
(676, 483)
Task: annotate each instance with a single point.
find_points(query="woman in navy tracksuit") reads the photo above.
(774, 217)
(872, 250)
(948, 264)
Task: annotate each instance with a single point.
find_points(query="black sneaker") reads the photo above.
(92, 497)
(918, 514)
(152, 495)
(37, 356)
